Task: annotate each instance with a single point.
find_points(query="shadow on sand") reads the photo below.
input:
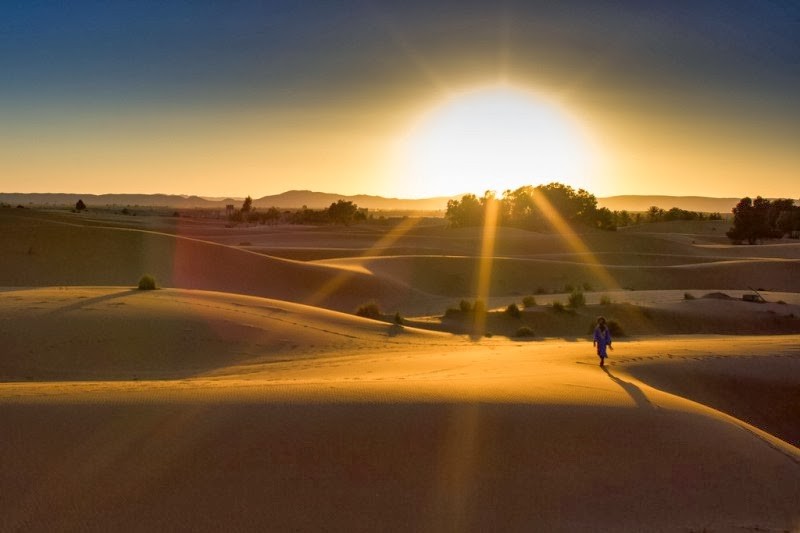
(83, 302)
(633, 391)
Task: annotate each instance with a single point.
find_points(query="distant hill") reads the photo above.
(317, 200)
(144, 200)
(689, 203)
(286, 200)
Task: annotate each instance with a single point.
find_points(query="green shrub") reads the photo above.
(524, 331)
(370, 310)
(605, 300)
(577, 299)
(529, 301)
(147, 283)
(513, 311)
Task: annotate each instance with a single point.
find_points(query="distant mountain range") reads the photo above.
(317, 200)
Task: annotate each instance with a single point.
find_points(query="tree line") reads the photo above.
(759, 219)
(340, 212)
(531, 208)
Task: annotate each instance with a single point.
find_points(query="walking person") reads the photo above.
(602, 339)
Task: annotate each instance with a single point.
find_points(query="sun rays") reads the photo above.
(344, 274)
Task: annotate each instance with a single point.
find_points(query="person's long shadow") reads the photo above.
(89, 301)
(633, 391)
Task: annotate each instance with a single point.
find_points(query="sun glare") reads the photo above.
(497, 138)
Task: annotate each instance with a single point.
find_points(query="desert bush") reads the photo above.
(513, 311)
(369, 310)
(541, 290)
(398, 319)
(465, 306)
(688, 296)
(587, 287)
(529, 301)
(524, 331)
(605, 300)
(569, 287)
(147, 283)
(479, 307)
(577, 299)
(558, 306)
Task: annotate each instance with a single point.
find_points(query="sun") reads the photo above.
(493, 138)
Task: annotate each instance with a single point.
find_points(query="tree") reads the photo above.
(465, 213)
(247, 206)
(342, 212)
(755, 220)
(80, 206)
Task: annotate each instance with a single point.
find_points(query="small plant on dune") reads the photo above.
(513, 311)
(147, 283)
(558, 306)
(465, 306)
(398, 319)
(605, 300)
(529, 301)
(369, 310)
(479, 307)
(587, 287)
(524, 331)
(569, 287)
(688, 296)
(541, 290)
(577, 299)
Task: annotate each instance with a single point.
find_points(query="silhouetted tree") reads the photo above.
(80, 206)
(247, 206)
(755, 220)
(342, 212)
(465, 213)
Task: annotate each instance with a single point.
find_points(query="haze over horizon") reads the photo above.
(407, 101)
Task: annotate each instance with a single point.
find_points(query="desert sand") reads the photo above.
(245, 394)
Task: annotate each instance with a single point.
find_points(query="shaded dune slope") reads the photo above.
(120, 333)
(454, 276)
(42, 253)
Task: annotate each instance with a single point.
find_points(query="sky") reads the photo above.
(400, 99)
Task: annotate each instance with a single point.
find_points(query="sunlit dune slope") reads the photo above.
(122, 333)
(488, 437)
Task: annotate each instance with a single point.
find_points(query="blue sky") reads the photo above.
(640, 73)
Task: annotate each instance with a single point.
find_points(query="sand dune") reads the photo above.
(121, 333)
(186, 409)
(474, 438)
